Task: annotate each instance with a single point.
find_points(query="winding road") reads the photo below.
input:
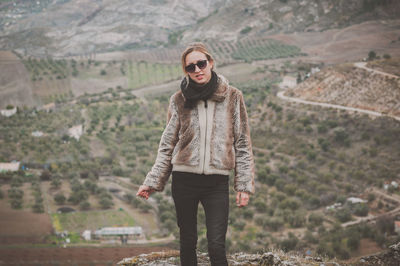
(358, 64)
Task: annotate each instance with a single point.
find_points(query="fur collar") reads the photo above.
(220, 94)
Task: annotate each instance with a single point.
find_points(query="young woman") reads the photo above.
(207, 135)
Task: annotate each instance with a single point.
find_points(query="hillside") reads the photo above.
(239, 19)
(81, 27)
(15, 85)
(308, 158)
(108, 67)
(353, 85)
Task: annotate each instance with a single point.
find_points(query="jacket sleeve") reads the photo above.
(244, 161)
(161, 170)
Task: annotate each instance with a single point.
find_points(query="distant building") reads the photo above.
(334, 206)
(75, 132)
(87, 235)
(123, 233)
(119, 231)
(37, 133)
(389, 184)
(315, 70)
(9, 112)
(356, 200)
(12, 167)
(289, 82)
(386, 185)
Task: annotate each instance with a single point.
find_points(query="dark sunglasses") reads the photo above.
(192, 67)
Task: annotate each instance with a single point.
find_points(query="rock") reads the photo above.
(272, 258)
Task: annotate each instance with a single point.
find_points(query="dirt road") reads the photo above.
(363, 65)
(373, 113)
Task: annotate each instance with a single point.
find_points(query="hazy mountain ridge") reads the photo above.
(83, 26)
(273, 16)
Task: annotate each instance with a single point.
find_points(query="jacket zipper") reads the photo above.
(205, 138)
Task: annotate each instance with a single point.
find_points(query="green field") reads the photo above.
(91, 220)
(143, 73)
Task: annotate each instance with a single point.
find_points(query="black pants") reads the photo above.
(213, 192)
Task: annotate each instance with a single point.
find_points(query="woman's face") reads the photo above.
(201, 76)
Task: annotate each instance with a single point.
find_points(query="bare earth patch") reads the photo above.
(348, 44)
(71, 255)
(22, 226)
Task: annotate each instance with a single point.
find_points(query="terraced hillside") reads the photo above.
(352, 86)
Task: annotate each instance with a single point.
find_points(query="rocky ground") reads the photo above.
(390, 257)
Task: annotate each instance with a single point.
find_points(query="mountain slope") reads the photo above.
(352, 86)
(67, 27)
(15, 88)
(254, 18)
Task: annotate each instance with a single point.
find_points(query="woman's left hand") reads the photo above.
(242, 199)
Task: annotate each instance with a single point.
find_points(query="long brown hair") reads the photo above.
(196, 46)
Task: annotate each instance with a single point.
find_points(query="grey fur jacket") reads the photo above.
(211, 138)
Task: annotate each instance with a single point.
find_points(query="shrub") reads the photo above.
(353, 241)
(289, 243)
(59, 198)
(341, 136)
(361, 210)
(84, 205)
(315, 219)
(247, 29)
(38, 207)
(371, 55)
(310, 238)
(239, 225)
(260, 206)
(78, 196)
(343, 215)
(385, 224)
(16, 181)
(290, 203)
(274, 223)
(106, 203)
(16, 203)
(15, 193)
(46, 175)
(290, 189)
(55, 182)
(314, 202)
(248, 213)
(297, 219)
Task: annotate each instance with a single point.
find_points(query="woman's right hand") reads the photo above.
(144, 191)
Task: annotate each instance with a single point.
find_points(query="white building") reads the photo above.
(119, 231)
(37, 133)
(12, 167)
(315, 70)
(75, 132)
(356, 200)
(337, 205)
(288, 82)
(9, 112)
(87, 235)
